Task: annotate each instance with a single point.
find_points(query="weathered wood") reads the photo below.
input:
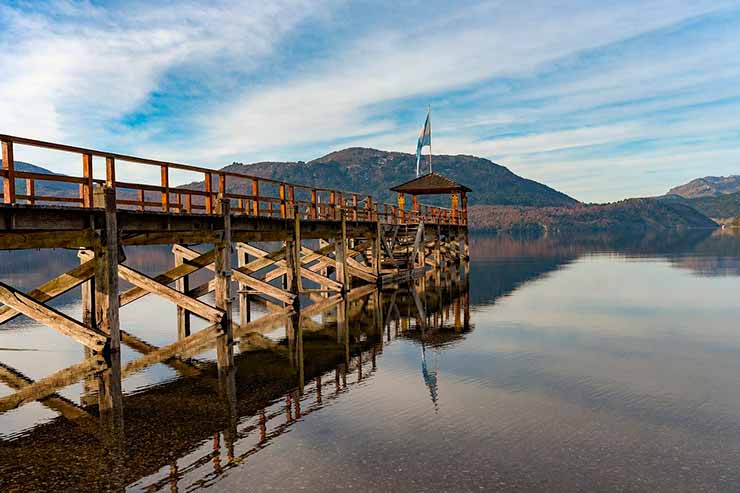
(304, 272)
(222, 264)
(9, 169)
(183, 315)
(106, 274)
(50, 384)
(245, 312)
(195, 306)
(377, 250)
(341, 255)
(51, 317)
(53, 288)
(18, 381)
(241, 275)
(22, 240)
(188, 266)
(185, 368)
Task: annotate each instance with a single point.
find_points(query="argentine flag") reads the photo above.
(425, 139)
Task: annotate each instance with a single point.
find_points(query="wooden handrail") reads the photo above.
(320, 203)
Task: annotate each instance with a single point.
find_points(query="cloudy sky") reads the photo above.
(602, 100)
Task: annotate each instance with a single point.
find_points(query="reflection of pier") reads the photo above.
(272, 385)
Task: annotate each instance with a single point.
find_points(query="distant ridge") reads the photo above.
(374, 172)
(709, 186)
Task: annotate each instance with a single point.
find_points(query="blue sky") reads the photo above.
(602, 100)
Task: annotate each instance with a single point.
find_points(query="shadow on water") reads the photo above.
(205, 423)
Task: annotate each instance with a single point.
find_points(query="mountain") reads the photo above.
(720, 207)
(500, 201)
(709, 186)
(374, 172)
(631, 215)
(43, 187)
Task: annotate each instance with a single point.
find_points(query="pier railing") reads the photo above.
(249, 195)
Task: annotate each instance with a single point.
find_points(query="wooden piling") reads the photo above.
(106, 274)
(183, 315)
(225, 347)
(340, 254)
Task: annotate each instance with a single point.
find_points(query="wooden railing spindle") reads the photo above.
(30, 190)
(87, 174)
(256, 194)
(164, 172)
(9, 168)
(209, 192)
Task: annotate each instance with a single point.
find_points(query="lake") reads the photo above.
(584, 363)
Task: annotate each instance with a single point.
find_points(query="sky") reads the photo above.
(601, 100)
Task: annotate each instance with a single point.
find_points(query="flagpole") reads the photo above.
(430, 138)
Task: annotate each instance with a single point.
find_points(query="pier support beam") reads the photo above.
(225, 343)
(245, 316)
(183, 315)
(340, 254)
(106, 275)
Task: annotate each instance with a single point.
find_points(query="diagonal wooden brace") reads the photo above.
(242, 275)
(53, 288)
(55, 319)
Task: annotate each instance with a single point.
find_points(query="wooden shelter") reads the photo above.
(435, 184)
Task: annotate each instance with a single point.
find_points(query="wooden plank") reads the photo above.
(241, 275)
(16, 380)
(53, 288)
(306, 273)
(188, 266)
(50, 384)
(51, 317)
(195, 306)
(182, 367)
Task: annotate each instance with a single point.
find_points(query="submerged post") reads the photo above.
(340, 247)
(224, 346)
(293, 260)
(183, 315)
(106, 274)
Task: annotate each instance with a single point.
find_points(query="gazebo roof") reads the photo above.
(430, 184)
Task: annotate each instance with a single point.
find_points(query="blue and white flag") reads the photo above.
(425, 139)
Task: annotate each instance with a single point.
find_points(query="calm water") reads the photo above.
(595, 363)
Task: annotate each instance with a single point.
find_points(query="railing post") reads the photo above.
(87, 187)
(110, 172)
(30, 190)
(142, 197)
(256, 194)
(333, 204)
(9, 168)
(369, 208)
(291, 201)
(314, 208)
(354, 206)
(165, 183)
(283, 204)
(209, 192)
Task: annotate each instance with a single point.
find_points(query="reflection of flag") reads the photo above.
(425, 139)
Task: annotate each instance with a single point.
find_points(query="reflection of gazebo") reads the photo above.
(435, 184)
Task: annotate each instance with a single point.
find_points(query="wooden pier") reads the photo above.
(298, 249)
